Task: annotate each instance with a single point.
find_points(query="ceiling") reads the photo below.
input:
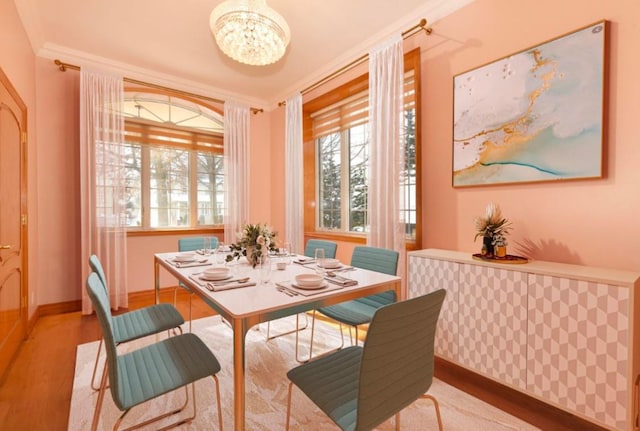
(168, 42)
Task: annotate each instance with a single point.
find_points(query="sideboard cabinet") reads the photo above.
(565, 334)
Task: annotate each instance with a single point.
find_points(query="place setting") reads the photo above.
(220, 278)
(187, 260)
(309, 284)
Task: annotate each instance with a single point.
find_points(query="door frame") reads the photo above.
(22, 333)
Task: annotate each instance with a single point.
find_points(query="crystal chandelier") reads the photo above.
(249, 31)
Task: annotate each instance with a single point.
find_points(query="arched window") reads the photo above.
(174, 164)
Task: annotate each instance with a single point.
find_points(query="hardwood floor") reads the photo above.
(36, 393)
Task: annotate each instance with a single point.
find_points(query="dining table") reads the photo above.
(260, 300)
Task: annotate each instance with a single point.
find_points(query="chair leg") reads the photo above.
(398, 421)
(164, 415)
(190, 297)
(298, 328)
(95, 367)
(96, 412)
(313, 324)
(437, 406)
(215, 378)
(288, 405)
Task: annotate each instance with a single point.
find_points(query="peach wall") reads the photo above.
(592, 222)
(17, 62)
(587, 222)
(58, 164)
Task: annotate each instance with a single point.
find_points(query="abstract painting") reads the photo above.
(536, 115)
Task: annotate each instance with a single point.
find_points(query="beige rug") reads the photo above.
(266, 390)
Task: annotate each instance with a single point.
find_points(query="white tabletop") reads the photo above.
(264, 297)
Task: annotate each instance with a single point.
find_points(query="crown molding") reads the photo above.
(79, 58)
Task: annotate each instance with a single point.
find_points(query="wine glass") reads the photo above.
(319, 255)
(221, 252)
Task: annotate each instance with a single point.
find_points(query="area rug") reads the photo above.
(267, 363)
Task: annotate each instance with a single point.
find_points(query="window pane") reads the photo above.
(133, 184)
(169, 187)
(409, 185)
(210, 189)
(329, 168)
(358, 178)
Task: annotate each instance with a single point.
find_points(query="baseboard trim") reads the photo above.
(516, 403)
(59, 308)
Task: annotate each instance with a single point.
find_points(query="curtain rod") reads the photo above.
(405, 34)
(64, 66)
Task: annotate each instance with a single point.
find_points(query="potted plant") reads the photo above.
(489, 226)
(255, 242)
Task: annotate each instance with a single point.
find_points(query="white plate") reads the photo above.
(206, 277)
(319, 286)
(330, 264)
(187, 257)
(184, 259)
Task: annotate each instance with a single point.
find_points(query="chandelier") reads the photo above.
(249, 31)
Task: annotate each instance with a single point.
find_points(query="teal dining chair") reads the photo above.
(360, 311)
(135, 324)
(329, 248)
(150, 371)
(360, 387)
(191, 244)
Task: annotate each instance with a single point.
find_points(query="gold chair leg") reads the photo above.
(95, 367)
(288, 405)
(313, 324)
(215, 378)
(298, 328)
(398, 421)
(190, 297)
(164, 415)
(437, 406)
(96, 412)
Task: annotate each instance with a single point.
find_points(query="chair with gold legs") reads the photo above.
(361, 387)
(330, 248)
(360, 311)
(137, 323)
(192, 244)
(150, 371)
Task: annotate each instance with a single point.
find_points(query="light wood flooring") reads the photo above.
(36, 393)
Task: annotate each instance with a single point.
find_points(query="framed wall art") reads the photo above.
(536, 115)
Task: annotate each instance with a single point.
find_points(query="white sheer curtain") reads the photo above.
(386, 70)
(236, 162)
(102, 183)
(294, 227)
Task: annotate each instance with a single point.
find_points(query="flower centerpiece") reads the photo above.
(491, 225)
(255, 241)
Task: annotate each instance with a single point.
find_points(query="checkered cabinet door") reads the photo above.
(427, 275)
(577, 347)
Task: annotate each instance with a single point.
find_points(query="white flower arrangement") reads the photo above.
(260, 238)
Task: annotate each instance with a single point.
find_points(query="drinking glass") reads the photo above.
(319, 255)
(285, 252)
(265, 270)
(221, 254)
(206, 245)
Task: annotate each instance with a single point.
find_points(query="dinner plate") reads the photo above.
(318, 286)
(330, 264)
(206, 277)
(184, 260)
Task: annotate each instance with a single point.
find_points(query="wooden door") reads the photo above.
(13, 223)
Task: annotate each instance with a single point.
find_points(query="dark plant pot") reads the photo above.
(487, 245)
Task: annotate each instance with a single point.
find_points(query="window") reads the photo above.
(174, 162)
(336, 127)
